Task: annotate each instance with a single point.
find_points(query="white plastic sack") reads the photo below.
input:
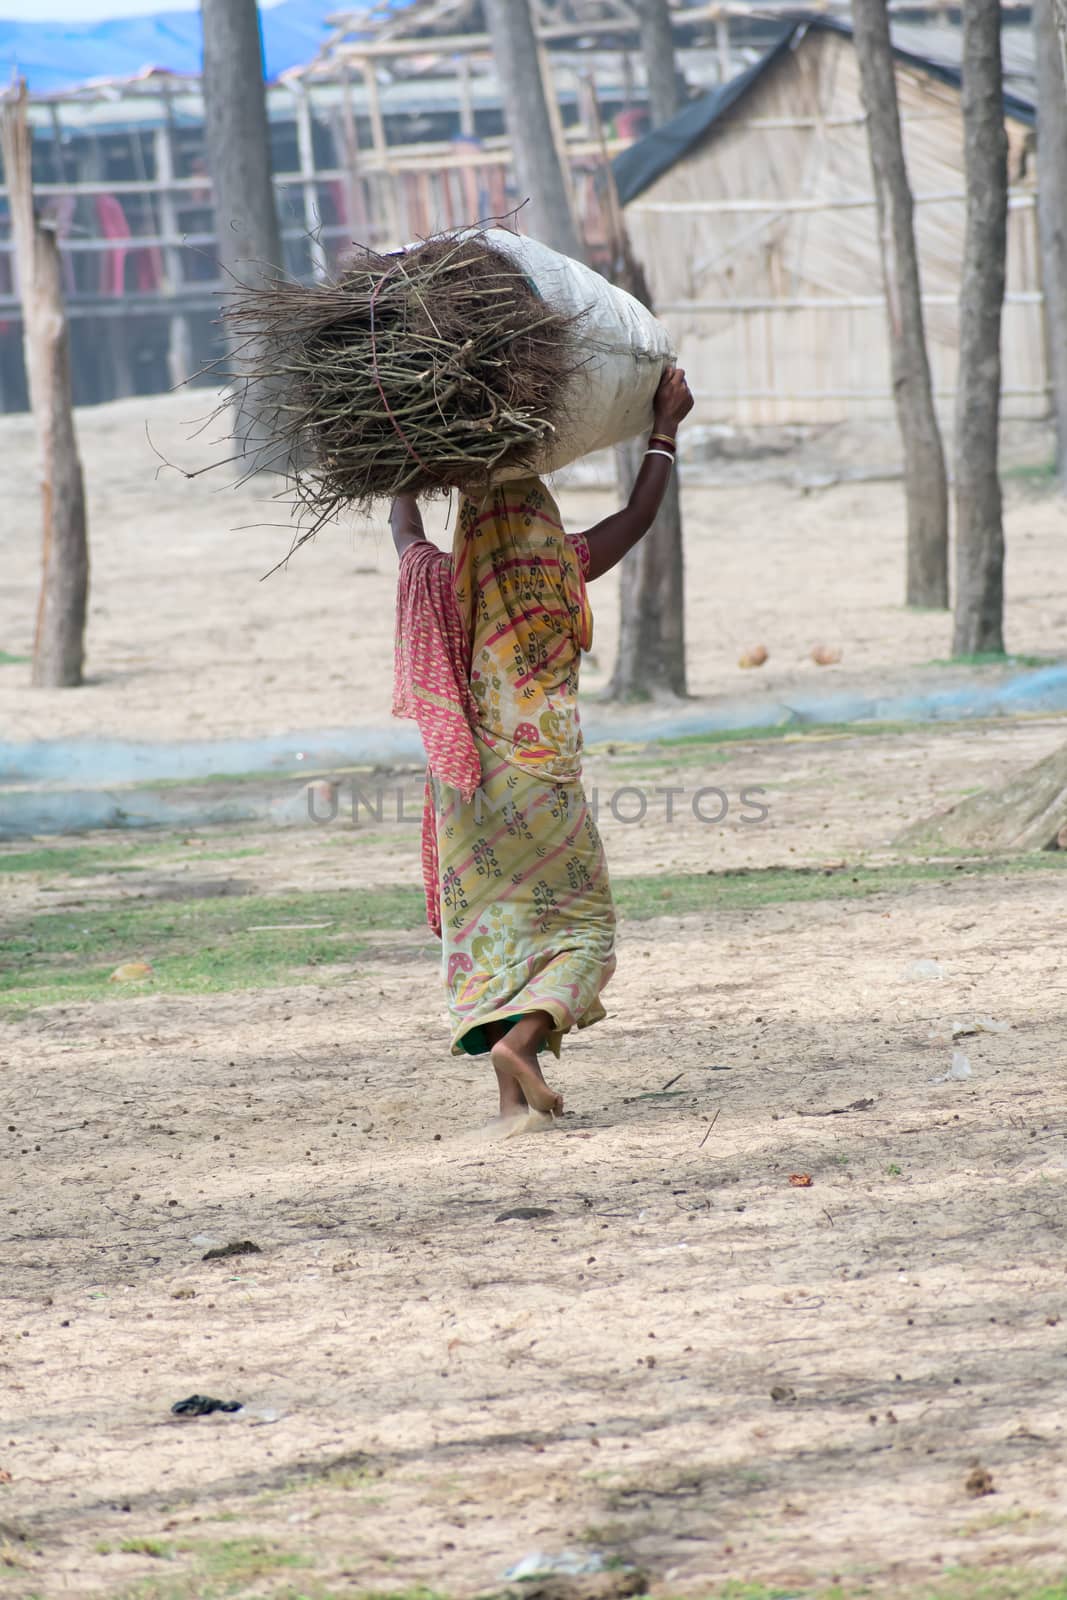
(624, 350)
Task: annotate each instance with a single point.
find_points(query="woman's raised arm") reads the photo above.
(405, 519)
(611, 539)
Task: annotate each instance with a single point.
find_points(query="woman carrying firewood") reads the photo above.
(488, 646)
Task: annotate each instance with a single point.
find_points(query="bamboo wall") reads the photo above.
(762, 251)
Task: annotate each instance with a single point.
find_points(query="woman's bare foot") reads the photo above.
(518, 1074)
(512, 1099)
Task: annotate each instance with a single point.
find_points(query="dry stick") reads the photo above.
(501, 384)
(711, 1125)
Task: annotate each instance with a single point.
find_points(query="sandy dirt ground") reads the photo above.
(628, 1336)
(186, 642)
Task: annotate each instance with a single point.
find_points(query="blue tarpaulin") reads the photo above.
(57, 55)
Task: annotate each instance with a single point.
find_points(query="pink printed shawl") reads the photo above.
(431, 685)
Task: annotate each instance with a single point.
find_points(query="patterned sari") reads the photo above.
(515, 875)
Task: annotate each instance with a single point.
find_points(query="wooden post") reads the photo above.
(1052, 211)
(59, 641)
(722, 41)
(305, 141)
(466, 98)
(180, 360)
(357, 211)
(381, 150)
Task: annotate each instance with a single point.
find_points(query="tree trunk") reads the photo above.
(238, 149)
(533, 152)
(1052, 210)
(1059, 15)
(651, 651)
(666, 86)
(925, 480)
(59, 641)
(979, 617)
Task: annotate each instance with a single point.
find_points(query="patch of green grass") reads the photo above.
(746, 888)
(961, 1583)
(232, 780)
(220, 1568)
(793, 730)
(993, 658)
(988, 1521)
(978, 1583)
(241, 1558)
(361, 777)
(237, 942)
(194, 946)
(734, 1590)
(1040, 472)
(8, 660)
(148, 1547)
(893, 1171)
(85, 860)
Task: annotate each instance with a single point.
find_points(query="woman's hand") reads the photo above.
(673, 401)
(611, 539)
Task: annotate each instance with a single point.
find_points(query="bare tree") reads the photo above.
(979, 613)
(666, 87)
(1052, 209)
(651, 651)
(238, 148)
(533, 149)
(59, 641)
(652, 641)
(925, 479)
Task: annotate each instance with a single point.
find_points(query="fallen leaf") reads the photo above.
(754, 657)
(130, 971)
(825, 655)
(782, 1393)
(979, 1481)
(5, 1476)
(800, 1180)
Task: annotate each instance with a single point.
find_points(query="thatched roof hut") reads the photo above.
(753, 213)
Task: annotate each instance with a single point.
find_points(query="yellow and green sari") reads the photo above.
(516, 878)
